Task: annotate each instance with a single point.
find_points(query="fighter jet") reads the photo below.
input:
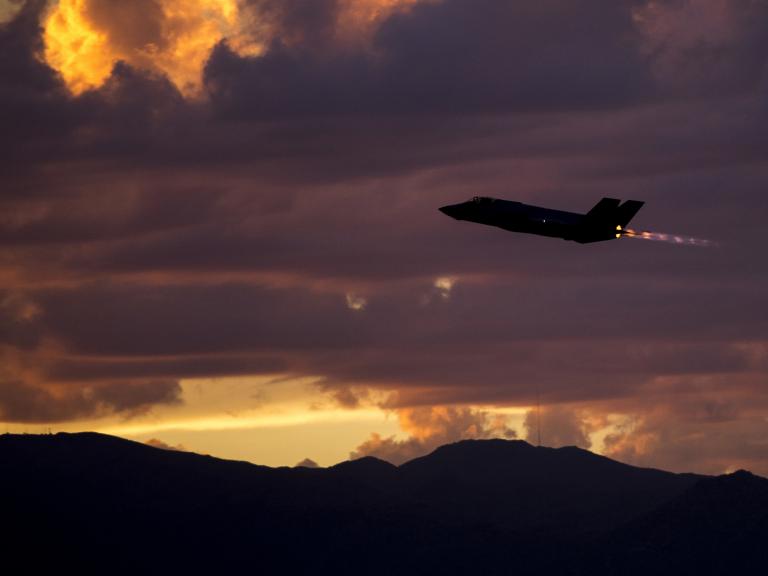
(606, 221)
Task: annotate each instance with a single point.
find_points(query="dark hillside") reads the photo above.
(95, 504)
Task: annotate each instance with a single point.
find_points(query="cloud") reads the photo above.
(707, 47)
(432, 63)
(9, 9)
(155, 443)
(354, 302)
(84, 39)
(430, 427)
(306, 110)
(345, 396)
(557, 426)
(712, 423)
(136, 397)
(19, 320)
(718, 446)
(398, 343)
(66, 368)
(33, 106)
(443, 58)
(22, 399)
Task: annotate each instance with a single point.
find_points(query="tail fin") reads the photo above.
(610, 212)
(604, 210)
(627, 211)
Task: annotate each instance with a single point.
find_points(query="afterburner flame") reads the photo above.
(669, 238)
(84, 39)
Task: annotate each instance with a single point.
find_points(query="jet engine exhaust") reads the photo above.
(668, 238)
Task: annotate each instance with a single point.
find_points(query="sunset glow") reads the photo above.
(84, 39)
(220, 226)
(358, 18)
(8, 10)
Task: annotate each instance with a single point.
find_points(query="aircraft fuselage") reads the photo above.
(606, 221)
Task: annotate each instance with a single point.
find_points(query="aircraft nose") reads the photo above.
(452, 210)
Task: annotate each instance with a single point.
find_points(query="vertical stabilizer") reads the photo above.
(604, 210)
(627, 211)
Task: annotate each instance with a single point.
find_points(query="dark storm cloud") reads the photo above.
(136, 397)
(34, 109)
(255, 229)
(448, 57)
(311, 108)
(21, 401)
(42, 123)
(522, 337)
(513, 372)
(706, 49)
(83, 369)
(18, 320)
(501, 56)
(165, 320)
(137, 320)
(299, 21)
(85, 214)
(451, 57)
(456, 56)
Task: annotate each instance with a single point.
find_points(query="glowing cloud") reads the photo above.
(428, 427)
(356, 303)
(84, 39)
(9, 9)
(19, 307)
(360, 17)
(444, 285)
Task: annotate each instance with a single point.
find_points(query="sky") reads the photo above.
(219, 226)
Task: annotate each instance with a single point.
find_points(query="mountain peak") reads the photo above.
(365, 465)
(497, 452)
(472, 506)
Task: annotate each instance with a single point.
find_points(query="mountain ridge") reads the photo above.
(472, 506)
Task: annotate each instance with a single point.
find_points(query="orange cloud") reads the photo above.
(430, 427)
(9, 9)
(84, 39)
(360, 17)
(562, 426)
(157, 443)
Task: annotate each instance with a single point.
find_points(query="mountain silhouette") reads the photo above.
(97, 504)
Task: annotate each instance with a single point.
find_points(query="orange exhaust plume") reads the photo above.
(84, 39)
(669, 238)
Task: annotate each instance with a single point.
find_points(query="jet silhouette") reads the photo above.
(606, 221)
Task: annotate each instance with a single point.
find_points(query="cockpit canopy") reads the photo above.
(482, 200)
